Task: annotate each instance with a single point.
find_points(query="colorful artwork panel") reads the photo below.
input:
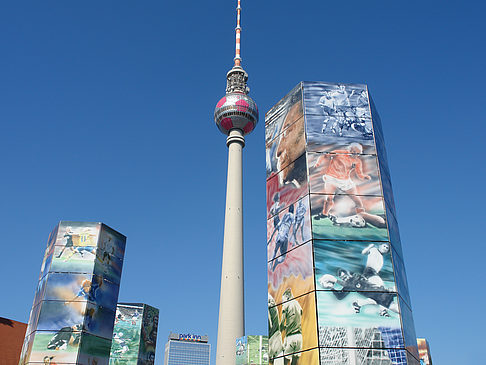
(123, 361)
(293, 270)
(40, 291)
(324, 132)
(111, 242)
(241, 351)
(353, 266)
(108, 266)
(290, 228)
(99, 321)
(33, 319)
(322, 98)
(148, 343)
(286, 148)
(348, 217)
(359, 319)
(94, 350)
(74, 234)
(56, 346)
(363, 356)
(341, 172)
(284, 113)
(292, 324)
(126, 332)
(74, 259)
(258, 350)
(308, 357)
(408, 329)
(400, 277)
(393, 232)
(55, 315)
(287, 186)
(424, 351)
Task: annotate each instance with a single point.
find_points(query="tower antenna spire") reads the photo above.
(238, 36)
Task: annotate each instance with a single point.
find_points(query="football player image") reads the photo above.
(374, 262)
(275, 208)
(118, 338)
(89, 290)
(299, 221)
(291, 323)
(341, 165)
(275, 344)
(283, 232)
(48, 360)
(64, 337)
(69, 241)
(290, 146)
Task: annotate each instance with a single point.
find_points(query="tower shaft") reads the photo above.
(231, 305)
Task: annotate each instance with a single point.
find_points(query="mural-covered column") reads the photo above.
(337, 287)
(71, 321)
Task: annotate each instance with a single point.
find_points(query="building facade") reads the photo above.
(72, 316)
(424, 351)
(337, 289)
(12, 334)
(252, 350)
(182, 349)
(134, 334)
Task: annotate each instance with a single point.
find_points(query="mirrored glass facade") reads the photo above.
(187, 350)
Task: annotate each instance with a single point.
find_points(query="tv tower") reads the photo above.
(236, 115)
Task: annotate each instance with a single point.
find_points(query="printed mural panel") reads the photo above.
(286, 148)
(126, 332)
(290, 228)
(362, 356)
(99, 321)
(287, 186)
(55, 315)
(33, 319)
(94, 350)
(122, 361)
(26, 349)
(348, 217)
(393, 232)
(401, 277)
(81, 287)
(353, 266)
(295, 271)
(77, 234)
(344, 171)
(411, 360)
(424, 351)
(111, 242)
(292, 325)
(359, 319)
(54, 347)
(408, 329)
(286, 111)
(308, 357)
(108, 266)
(241, 356)
(76, 259)
(148, 341)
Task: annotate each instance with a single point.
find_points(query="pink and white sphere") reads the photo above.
(236, 111)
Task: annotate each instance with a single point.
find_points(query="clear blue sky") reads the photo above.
(106, 115)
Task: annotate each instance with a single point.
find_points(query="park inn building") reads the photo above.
(337, 289)
(184, 349)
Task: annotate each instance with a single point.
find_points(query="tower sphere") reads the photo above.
(236, 110)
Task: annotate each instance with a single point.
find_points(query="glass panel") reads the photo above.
(348, 217)
(286, 148)
(149, 334)
(99, 321)
(126, 332)
(94, 350)
(359, 319)
(353, 266)
(363, 356)
(401, 277)
(292, 325)
(75, 259)
(55, 315)
(108, 266)
(411, 360)
(293, 270)
(287, 187)
(340, 172)
(290, 228)
(52, 347)
(111, 242)
(409, 329)
(288, 110)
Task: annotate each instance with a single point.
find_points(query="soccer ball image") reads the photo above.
(357, 221)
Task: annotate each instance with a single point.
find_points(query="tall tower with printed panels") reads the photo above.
(337, 289)
(236, 115)
(71, 321)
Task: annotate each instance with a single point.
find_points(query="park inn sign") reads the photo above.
(188, 337)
